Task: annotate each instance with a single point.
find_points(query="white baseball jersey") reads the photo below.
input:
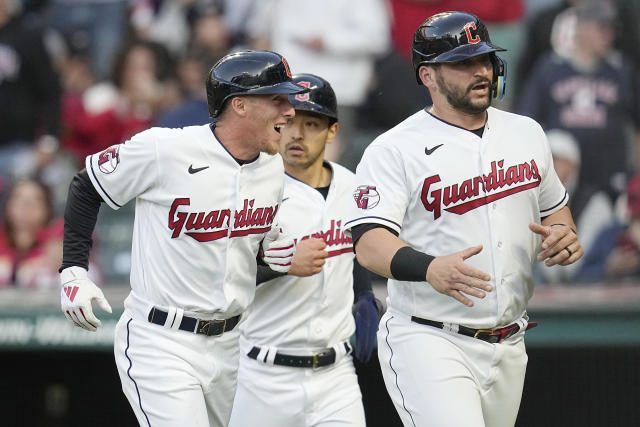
(312, 312)
(199, 216)
(444, 189)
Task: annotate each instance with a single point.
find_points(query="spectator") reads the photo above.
(103, 23)
(327, 38)
(553, 28)
(235, 14)
(29, 88)
(592, 210)
(30, 239)
(210, 41)
(616, 251)
(162, 21)
(192, 71)
(209, 31)
(109, 113)
(592, 94)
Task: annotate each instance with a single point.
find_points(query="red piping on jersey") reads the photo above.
(340, 252)
(466, 207)
(207, 237)
(238, 233)
(215, 235)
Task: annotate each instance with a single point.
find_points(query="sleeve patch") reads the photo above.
(108, 159)
(366, 197)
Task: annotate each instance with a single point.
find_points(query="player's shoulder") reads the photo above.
(516, 122)
(404, 132)
(271, 161)
(340, 172)
(163, 135)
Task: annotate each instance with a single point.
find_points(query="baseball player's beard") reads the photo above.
(461, 100)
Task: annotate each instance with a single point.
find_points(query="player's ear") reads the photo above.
(239, 105)
(427, 75)
(331, 134)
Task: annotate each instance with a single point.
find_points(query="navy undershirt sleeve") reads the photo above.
(80, 216)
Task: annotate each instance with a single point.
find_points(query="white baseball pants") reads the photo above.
(283, 396)
(176, 378)
(444, 379)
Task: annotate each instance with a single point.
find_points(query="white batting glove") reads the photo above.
(76, 295)
(278, 250)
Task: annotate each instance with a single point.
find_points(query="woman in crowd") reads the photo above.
(30, 238)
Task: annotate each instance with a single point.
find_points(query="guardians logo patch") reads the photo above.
(366, 197)
(108, 160)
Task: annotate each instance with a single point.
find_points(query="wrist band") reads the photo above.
(410, 265)
(574, 231)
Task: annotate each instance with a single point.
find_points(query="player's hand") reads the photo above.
(278, 250)
(450, 275)
(367, 317)
(309, 258)
(559, 244)
(76, 295)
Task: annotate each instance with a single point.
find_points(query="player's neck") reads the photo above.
(459, 118)
(315, 176)
(235, 142)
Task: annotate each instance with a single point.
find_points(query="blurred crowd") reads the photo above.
(77, 76)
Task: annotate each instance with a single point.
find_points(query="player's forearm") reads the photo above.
(375, 250)
(80, 216)
(563, 216)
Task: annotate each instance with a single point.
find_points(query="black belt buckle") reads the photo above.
(212, 328)
(325, 358)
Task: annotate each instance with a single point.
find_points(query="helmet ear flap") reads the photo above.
(498, 86)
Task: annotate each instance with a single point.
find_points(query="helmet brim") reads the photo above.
(464, 52)
(280, 88)
(312, 107)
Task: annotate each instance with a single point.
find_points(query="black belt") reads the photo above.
(215, 327)
(492, 336)
(324, 358)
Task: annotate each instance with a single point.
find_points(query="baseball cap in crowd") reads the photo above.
(633, 196)
(564, 145)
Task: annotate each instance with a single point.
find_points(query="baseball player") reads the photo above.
(454, 205)
(207, 199)
(295, 365)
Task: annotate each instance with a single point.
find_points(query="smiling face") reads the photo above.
(304, 139)
(266, 115)
(466, 85)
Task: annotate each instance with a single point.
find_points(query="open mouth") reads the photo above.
(480, 86)
(278, 128)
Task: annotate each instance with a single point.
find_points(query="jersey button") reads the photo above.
(499, 244)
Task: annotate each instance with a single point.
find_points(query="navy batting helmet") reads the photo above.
(249, 72)
(456, 36)
(320, 99)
